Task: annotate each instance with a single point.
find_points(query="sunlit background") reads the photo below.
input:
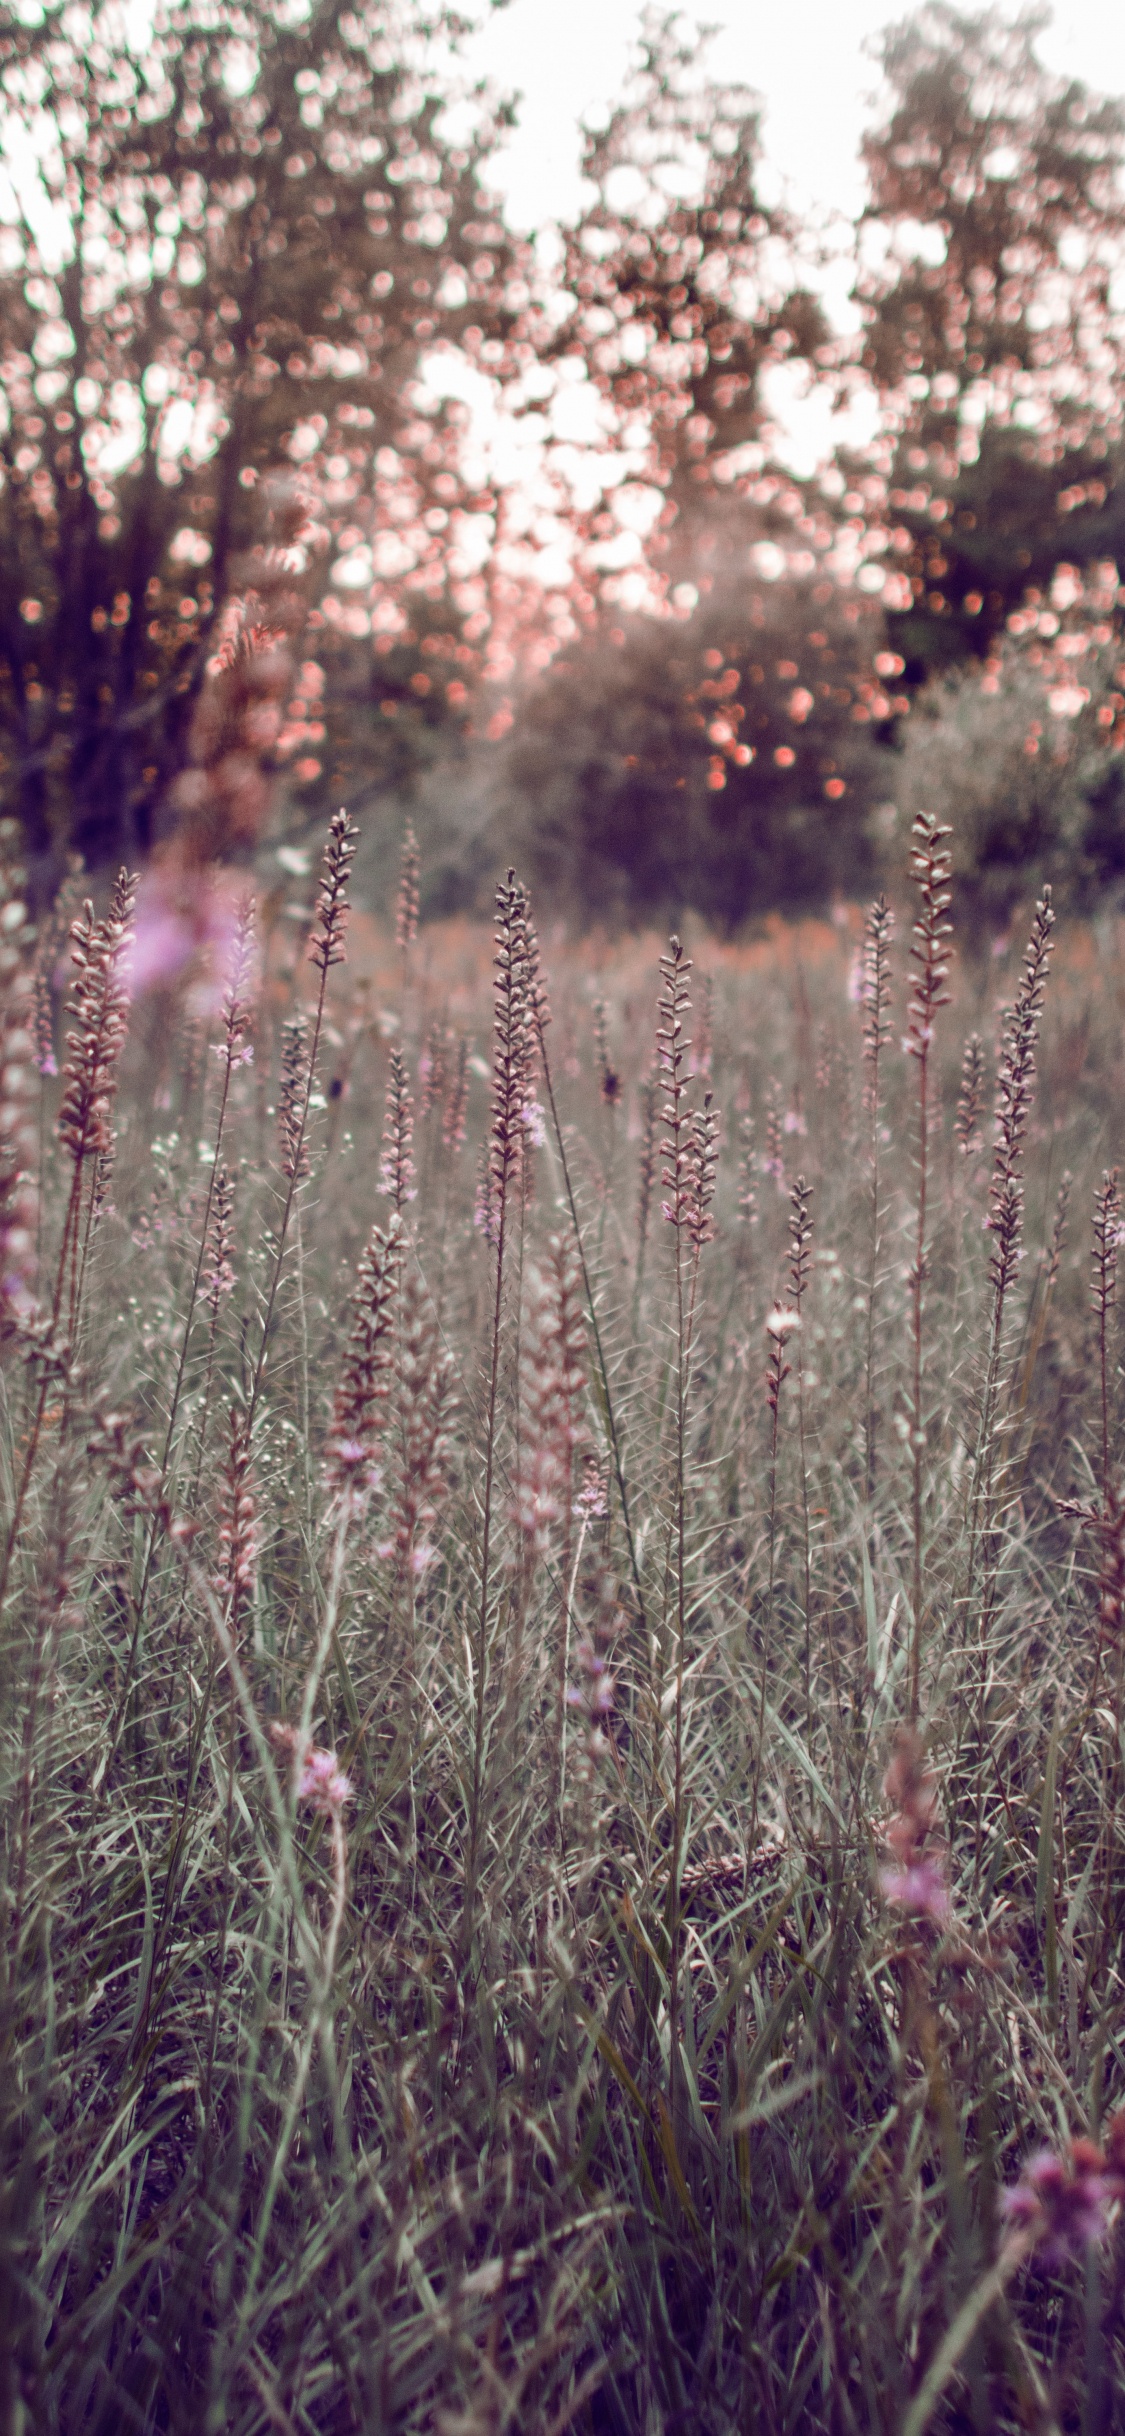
(814, 65)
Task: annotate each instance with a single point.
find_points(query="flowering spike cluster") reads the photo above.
(1107, 1243)
(970, 1098)
(593, 1496)
(292, 1105)
(52, 939)
(45, 1057)
(484, 1213)
(433, 1068)
(456, 1100)
(609, 1081)
(703, 1160)
(876, 991)
(537, 979)
(318, 1778)
(100, 1008)
(594, 1697)
(916, 1884)
(931, 934)
(672, 1050)
(780, 1323)
(1108, 1522)
(396, 1172)
(426, 1401)
(322, 1783)
(800, 1239)
(1059, 2204)
(703, 1042)
(773, 1160)
(19, 1198)
(514, 1109)
(218, 1277)
(553, 1388)
(367, 1374)
(931, 868)
(236, 1571)
(1015, 1086)
(406, 908)
(238, 996)
(330, 921)
(1058, 1229)
(747, 1202)
(646, 1162)
(134, 1479)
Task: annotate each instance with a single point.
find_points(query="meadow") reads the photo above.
(563, 1646)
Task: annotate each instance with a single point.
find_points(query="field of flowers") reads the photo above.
(563, 1650)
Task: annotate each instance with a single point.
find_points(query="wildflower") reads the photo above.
(593, 1496)
(236, 1570)
(535, 1124)
(293, 1099)
(218, 1279)
(916, 1884)
(406, 908)
(326, 942)
(1015, 1087)
(780, 1322)
(553, 1388)
(703, 1153)
(518, 1018)
(322, 1784)
(672, 1052)
(19, 1198)
(1060, 2202)
(367, 1371)
(317, 1776)
(594, 1698)
(920, 1891)
(100, 1005)
(426, 1401)
(433, 1068)
(453, 1113)
(966, 1124)
(872, 969)
(396, 1170)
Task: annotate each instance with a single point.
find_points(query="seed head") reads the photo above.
(326, 943)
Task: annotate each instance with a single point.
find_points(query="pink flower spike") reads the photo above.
(919, 1890)
(322, 1784)
(1061, 2201)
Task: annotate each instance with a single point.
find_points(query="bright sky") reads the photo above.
(807, 59)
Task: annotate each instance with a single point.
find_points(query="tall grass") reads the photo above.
(562, 1731)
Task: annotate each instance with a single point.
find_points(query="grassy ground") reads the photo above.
(562, 1685)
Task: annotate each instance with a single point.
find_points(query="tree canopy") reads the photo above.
(257, 305)
(228, 248)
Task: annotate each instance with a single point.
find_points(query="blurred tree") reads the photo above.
(729, 761)
(230, 239)
(987, 253)
(683, 287)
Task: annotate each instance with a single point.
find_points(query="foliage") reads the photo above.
(683, 286)
(987, 250)
(484, 1947)
(265, 346)
(1026, 762)
(252, 228)
(725, 761)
